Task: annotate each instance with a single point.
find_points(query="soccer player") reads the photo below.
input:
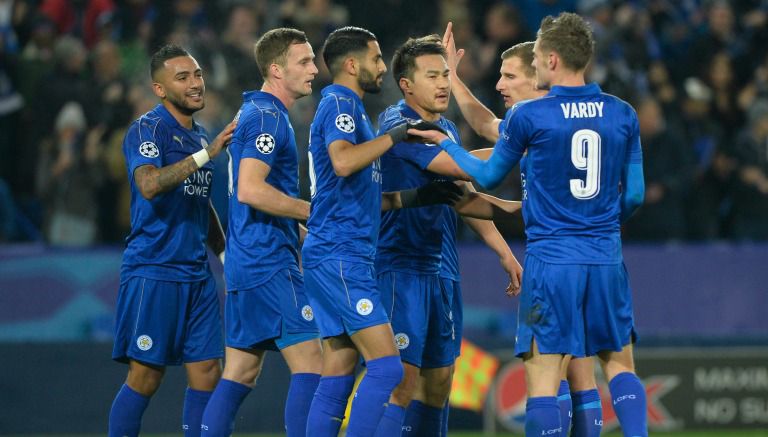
(338, 252)
(409, 252)
(575, 299)
(577, 395)
(167, 307)
(266, 308)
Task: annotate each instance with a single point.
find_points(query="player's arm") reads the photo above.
(152, 181)
(444, 165)
(433, 193)
(485, 206)
(348, 158)
(488, 173)
(633, 190)
(632, 181)
(479, 117)
(493, 239)
(254, 190)
(216, 236)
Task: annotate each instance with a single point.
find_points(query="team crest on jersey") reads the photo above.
(149, 149)
(265, 143)
(144, 342)
(402, 341)
(364, 307)
(345, 123)
(307, 314)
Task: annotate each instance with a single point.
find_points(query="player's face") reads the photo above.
(372, 69)
(540, 63)
(181, 83)
(513, 84)
(300, 69)
(430, 88)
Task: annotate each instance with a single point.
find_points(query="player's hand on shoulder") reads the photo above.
(425, 132)
(222, 139)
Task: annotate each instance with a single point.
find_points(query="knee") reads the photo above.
(204, 375)
(437, 388)
(405, 390)
(144, 380)
(388, 370)
(243, 375)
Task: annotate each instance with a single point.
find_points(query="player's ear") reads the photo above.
(552, 60)
(276, 71)
(351, 65)
(405, 85)
(158, 89)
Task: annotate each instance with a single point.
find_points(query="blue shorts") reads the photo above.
(420, 309)
(167, 323)
(344, 297)
(453, 288)
(271, 316)
(576, 309)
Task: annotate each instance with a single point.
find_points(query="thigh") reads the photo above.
(609, 321)
(408, 302)
(457, 312)
(203, 331)
(345, 297)
(550, 311)
(151, 318)
(439, 345)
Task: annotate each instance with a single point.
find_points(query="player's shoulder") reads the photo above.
(618, 102)
(148, 124)
(338, 102)
(391, 117)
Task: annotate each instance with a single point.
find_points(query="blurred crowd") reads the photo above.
(75, 73)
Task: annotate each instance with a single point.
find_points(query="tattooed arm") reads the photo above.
(152, 181)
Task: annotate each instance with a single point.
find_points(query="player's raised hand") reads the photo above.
(453, 56)
(515, 272)
(222, 139)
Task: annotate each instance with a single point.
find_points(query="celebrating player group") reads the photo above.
(378, 281)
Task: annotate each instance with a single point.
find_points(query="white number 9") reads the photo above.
(585, 155)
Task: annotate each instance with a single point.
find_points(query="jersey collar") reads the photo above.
(341, 89)
(584, 90)
(261, 95)
(171, 120)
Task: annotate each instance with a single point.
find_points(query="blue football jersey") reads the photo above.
(449, 264)
(346, 211)
(410, 239)
(168, 233)
(259, 244)
(578, 140)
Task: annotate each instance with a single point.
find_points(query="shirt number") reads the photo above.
(585, 155)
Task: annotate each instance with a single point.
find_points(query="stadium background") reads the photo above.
(73, 74)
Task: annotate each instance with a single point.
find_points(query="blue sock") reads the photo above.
(587, 414)
(300, 394)
(383, 375)
(446, 409)
(219, 416)
(126, 412)
(542, 417)
(628, 396)
(391, 423)
(422, 420)
(564, 402)
(327, 410)
(194, 405)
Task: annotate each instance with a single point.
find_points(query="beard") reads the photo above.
(368, 82)
(182, 106)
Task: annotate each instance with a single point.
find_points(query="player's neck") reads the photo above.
(183, 119)
(349, 82)
(280, 92)
(569, 78)
(423, 113)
